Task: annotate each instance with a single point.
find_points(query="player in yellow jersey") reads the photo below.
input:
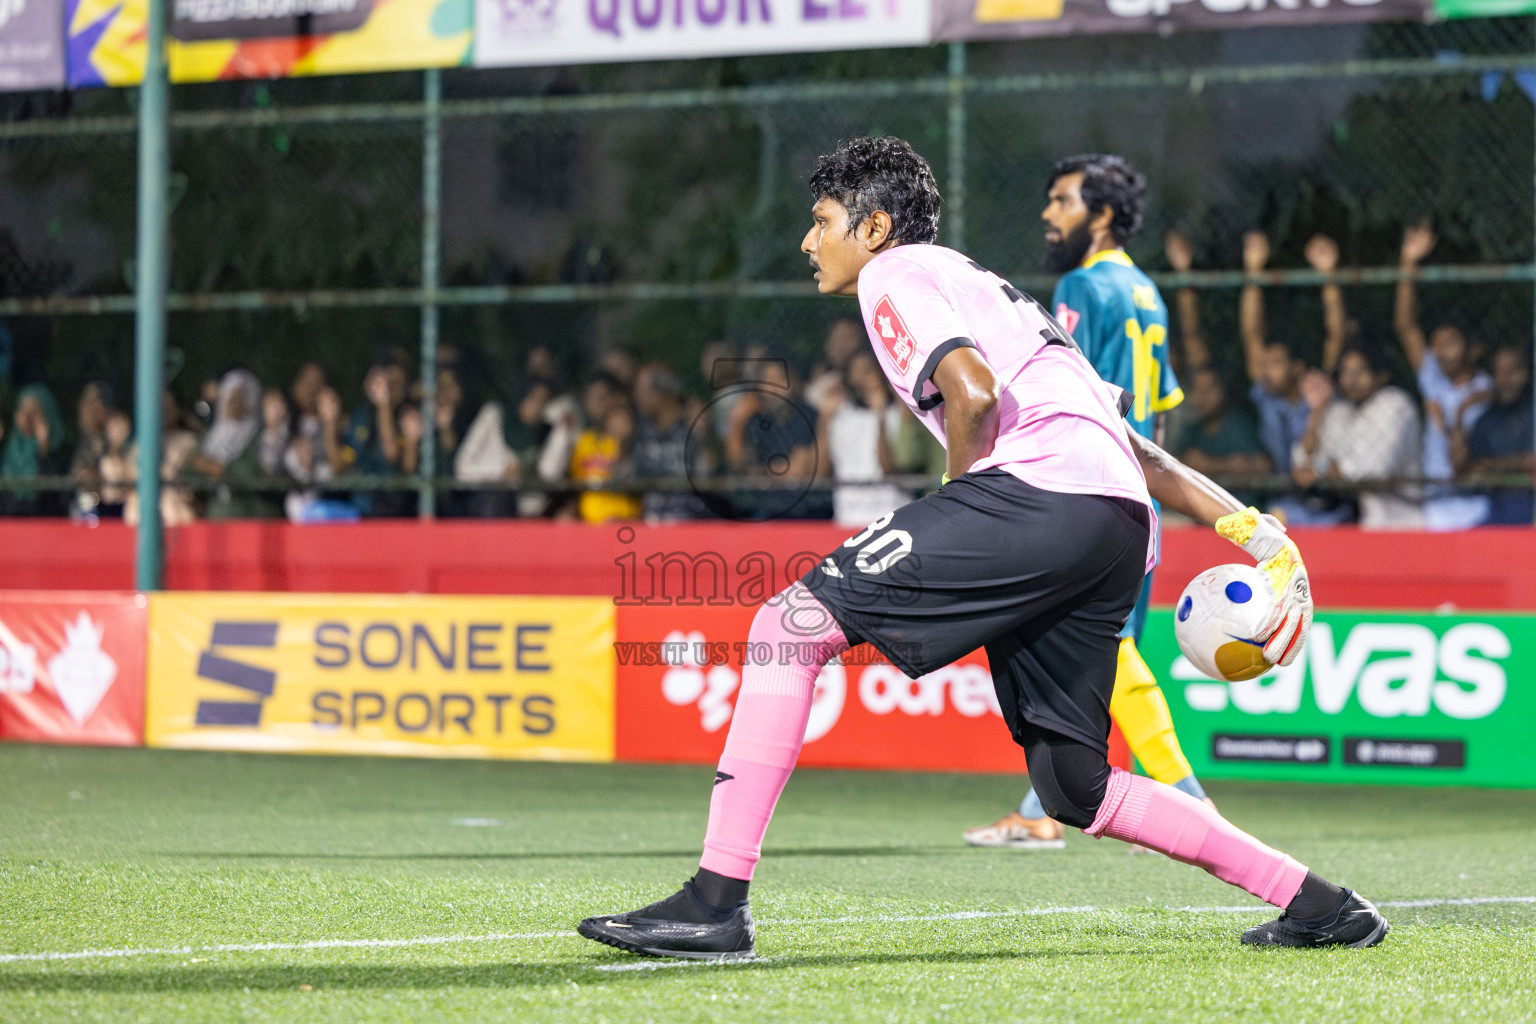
(1114, 311)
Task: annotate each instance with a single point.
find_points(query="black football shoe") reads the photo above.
(1357, 924)
(679, 926)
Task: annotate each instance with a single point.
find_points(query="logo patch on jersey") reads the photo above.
(893, 334)
(1068, 317)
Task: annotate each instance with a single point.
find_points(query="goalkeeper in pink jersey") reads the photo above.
(1034, 549)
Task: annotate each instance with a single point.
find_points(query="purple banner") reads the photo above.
(31, 44)
(955, 20)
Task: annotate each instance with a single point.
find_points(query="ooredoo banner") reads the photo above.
(72, 668)
(533, 32)
(514, 677)
(679, 668)
(1376, 697)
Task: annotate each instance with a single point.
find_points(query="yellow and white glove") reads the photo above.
(1290, 620)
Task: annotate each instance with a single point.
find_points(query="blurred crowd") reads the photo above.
(1324, 441)
(625, 440)
(1445, 446)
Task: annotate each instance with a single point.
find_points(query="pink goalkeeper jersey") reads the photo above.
(1060, 428)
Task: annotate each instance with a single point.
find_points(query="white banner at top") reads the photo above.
(534, 32)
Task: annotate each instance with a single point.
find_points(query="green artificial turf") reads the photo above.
(869, 908)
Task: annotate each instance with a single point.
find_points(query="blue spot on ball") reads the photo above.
(1239, 592)
(1185, 607)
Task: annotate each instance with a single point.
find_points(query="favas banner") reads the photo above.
(72, 668)
(528, 678)
(1376, 697)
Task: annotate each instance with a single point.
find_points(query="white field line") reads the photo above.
(1476, 901)
(453, 940)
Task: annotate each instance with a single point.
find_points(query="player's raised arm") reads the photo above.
(971, 389)
(1198, 496)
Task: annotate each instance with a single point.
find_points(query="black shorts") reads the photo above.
(1044, 581)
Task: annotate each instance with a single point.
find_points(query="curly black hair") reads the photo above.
(884, 173)
(1111, 181)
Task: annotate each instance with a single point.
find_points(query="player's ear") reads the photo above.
(878, 230)
(1101, 220)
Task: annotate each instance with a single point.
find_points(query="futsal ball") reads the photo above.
(1216, 619)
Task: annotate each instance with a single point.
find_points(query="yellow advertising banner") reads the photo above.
(212, 40)
(507, 677)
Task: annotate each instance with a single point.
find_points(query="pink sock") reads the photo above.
(767, 727)
(1165, 819)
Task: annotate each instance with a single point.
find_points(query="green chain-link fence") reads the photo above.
(660, 206)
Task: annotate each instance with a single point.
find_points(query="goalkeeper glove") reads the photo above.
(1290, 620)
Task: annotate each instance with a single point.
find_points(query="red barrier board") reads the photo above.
(72, 668)
(679, 669)
(1485, 569)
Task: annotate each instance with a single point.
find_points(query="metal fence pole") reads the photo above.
(431, 198)
(954, 199)
(150, 286)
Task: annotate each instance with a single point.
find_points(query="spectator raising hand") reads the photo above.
(1251, 303)
(1454, 390)
(1322, 254)
(1418, 242)
(1288, 414)
(1181, 257)
(1212, 437)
